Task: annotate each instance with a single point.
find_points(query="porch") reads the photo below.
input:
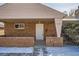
(29, 41)
(33, 32)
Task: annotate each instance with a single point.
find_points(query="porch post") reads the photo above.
(58, 24)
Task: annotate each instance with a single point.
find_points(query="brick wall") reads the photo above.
(30, 29)
(50, 29)
(12, 32)
(16, 41)
(54, 41)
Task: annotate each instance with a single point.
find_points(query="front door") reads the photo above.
(39, 31)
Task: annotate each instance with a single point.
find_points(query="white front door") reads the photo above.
(39, 31)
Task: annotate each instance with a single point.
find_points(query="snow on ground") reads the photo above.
(16, 49)
(41, 51)
(63, 51)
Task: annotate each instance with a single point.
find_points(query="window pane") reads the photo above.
(20, 26)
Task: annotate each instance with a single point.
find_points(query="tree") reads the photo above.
(72, 12)
(71, 31)
(65, 12)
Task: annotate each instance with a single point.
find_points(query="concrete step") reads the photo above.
(40, 42)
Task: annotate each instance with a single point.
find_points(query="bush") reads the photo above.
(71, 30)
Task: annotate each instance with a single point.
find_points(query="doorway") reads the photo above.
(39, 31)
(39, 34)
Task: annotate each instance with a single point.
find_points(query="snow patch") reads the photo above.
(16, 50)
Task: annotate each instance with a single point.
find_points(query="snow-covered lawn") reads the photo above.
(16, 49)
(43, 51)
(63, 51)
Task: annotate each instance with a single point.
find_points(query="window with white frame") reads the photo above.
(19, 26)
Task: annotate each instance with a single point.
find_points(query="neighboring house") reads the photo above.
(70, 18)
(27, 23)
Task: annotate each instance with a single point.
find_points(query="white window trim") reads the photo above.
(19, 24)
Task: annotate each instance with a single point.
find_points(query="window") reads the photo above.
(19, 26)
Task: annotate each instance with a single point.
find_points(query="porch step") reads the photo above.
(40, 42)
